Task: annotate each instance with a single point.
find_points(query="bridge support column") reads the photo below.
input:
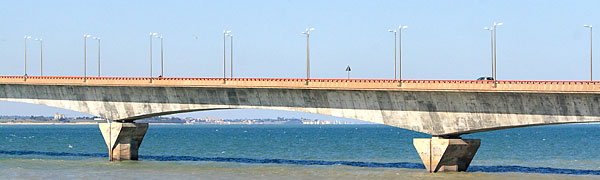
(446, 154)
(123, 139)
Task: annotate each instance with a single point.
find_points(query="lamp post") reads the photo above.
(225, 34)
(492, 47)
(98, 39)
(400, 54)
(41, 57)
(151, 35)
(394, 31)
(85, 36)
(495, 59)
(231, 55)
(590, 26)
(307, 32)
(162, 69)
(26, 37)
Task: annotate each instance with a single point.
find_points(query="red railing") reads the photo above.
(310, 80)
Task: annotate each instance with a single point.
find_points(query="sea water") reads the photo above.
(292, 152)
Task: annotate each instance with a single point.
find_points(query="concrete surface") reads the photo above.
(123, 139)
(446, 155)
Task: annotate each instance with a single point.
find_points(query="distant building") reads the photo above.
(99, 119)
(59, 117)
(304, 121)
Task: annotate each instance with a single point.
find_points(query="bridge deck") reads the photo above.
(297, 83)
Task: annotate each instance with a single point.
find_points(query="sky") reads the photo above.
(540, 40)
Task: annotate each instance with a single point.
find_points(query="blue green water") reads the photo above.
(292, 152)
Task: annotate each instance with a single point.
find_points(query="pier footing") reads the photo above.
(446, 154)
(123, 139)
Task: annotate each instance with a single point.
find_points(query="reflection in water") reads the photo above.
(407, 165)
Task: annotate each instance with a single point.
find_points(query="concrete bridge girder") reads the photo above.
(430, 112)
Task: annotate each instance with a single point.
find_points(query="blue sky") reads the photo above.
(540, 40)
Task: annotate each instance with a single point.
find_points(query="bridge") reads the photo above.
(445, 109)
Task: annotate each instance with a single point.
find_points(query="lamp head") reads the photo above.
(308, 30)
(27, 37)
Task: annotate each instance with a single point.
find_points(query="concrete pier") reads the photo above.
(123, 139)
(446, 154)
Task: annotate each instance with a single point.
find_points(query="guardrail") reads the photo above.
(310, 80)
(375, 84)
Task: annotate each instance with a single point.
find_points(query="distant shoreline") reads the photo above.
(60, 119)
(92, 123)
(74, 123)
(30, 123)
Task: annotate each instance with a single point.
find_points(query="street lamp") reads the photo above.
(400, 54)
(161, 56)
(26, 37)
(492, 47)
(225, 34)
(85, 36)
(307, 32)
(495, 59)
(394, 31)
(41, 59)
(98, 39)
(231, 55)
(151, 35)
(590, 26)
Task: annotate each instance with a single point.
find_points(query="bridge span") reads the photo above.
(444, 109)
